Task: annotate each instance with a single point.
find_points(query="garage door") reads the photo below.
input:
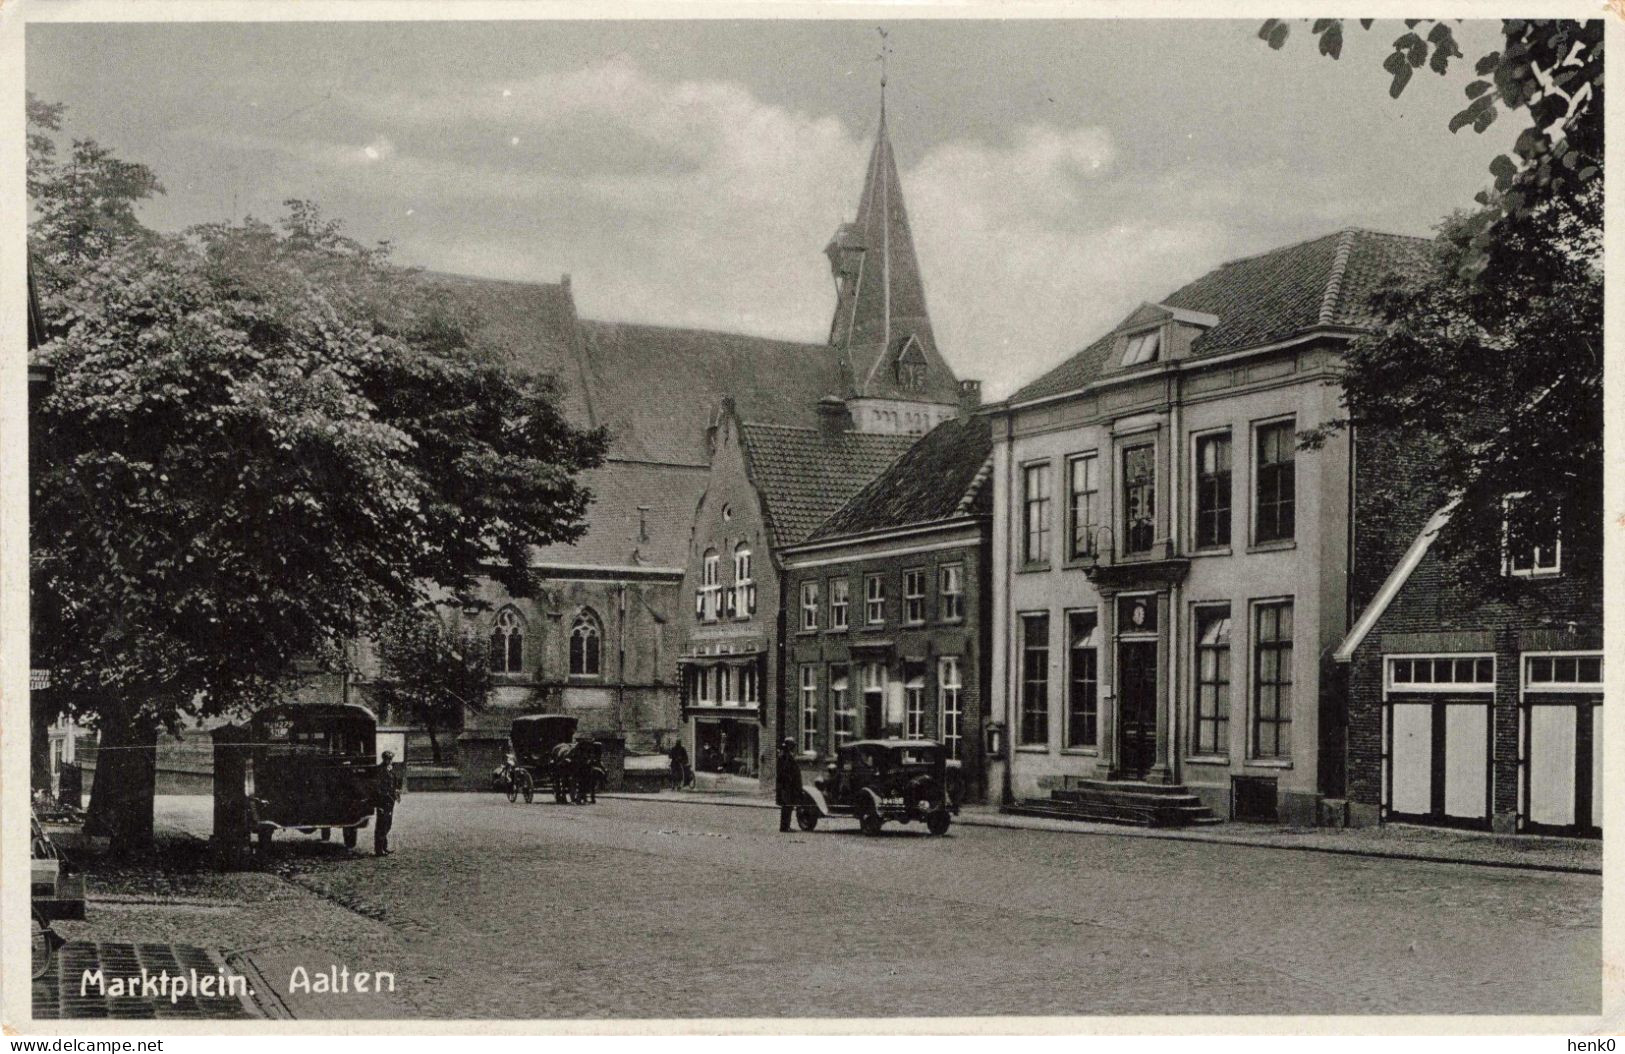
(1562, 744)
(1439, 724)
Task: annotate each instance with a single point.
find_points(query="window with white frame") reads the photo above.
(874, 599)
(1083, 505)
(702, 685)
(809, 709)
(1142, 348)
(1139, 498)
(809, 605)
(747, 685)
(914, 717)
(914, 595)
(1211, 733)
(840, 705)
(951, 592)
(1035, 513)
(1570, 672)
(839, 594)
(725, 685)
(1275, 483)
(874, 697)
(1531, 539)
(709, 603)
(950, 704)
(1441, 673)
(1213, 490)
(744, 599)
(1034, 680)
(1272, 680)
(1083, 680)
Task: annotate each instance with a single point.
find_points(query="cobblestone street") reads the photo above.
(657, 909)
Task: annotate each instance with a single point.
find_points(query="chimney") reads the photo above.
(833, 417)
(970, 398)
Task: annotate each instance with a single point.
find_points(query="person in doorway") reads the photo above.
(679, 766)
(787, 783)
(386, 794)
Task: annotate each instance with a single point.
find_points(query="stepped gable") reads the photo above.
(1326, 282)
(805, 474)
(944, 475)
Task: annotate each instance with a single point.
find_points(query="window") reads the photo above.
(874, 599)
(744, 598)
(1083, 680)
(708, 604)
(809, 605)
(1422, 674)
(911, 368)
(702, 684)
(725, 686)
(1035, 498)
(952, 590)
(913, 701)
(1272, 680)
(840, 704)
(1142, 348)
(1212, 731)
(747, 685)
(586, 636)
(951, 703)
(1562, 672)
(809, 709)
(508, 642)
(1082, 486)
(839, 589)
(914, 595)
(1212, 491)
(1139, 498)
(1035, 680)
(1531, 541)
(1276, 483)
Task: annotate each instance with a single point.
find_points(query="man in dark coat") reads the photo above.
(386, 794)
(581, 766)
(679, 766)
(787, 783)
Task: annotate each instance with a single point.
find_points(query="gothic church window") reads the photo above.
(508, 642)
(586, 648)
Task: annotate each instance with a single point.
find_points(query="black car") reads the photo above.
(875, 780)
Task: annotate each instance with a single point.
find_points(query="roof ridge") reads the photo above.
(1334, 281)
(703, 330)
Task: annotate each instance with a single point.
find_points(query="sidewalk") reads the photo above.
(1395, 841)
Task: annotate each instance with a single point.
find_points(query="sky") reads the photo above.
(688, 173)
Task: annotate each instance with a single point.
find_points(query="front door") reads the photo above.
(1136, 707)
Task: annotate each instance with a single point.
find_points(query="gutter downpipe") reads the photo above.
(1176, 514)
(1008, 576)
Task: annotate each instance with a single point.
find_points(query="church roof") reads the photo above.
(805, 474)
(881, 306)
(943, 476)
(640, 517)
(1326, 282)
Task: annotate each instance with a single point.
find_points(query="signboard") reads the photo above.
(38, 679)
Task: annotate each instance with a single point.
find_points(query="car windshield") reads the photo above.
(916, 756)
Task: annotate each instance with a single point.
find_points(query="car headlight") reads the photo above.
(923, 806)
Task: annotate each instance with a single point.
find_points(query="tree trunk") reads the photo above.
(121, 799)
(434, 744)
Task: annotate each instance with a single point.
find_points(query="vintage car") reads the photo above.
(309, 767)
(876, 780)
(540, 757)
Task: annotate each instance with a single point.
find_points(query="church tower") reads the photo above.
(895, 379)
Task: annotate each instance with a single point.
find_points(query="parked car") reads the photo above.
(875, 780)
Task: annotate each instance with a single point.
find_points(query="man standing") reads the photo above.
(787, 783)
(679, 766)
(387, 793)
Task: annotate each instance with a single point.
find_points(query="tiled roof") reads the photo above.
(940, 477)
(655, 387)
(805, 474)
(1261, 299)
(622, 535)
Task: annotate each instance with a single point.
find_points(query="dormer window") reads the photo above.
(911, 367)
(1143, 348)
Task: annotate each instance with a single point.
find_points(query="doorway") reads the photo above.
(1136, 707)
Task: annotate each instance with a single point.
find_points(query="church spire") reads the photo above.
(881, 327)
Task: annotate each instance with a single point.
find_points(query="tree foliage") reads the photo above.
(1547, 71)
(258, 441)
(435, 667)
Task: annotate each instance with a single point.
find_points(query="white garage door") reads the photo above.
(1439, 732)
(1412, 757)
(1551, 765)
(1466, 761)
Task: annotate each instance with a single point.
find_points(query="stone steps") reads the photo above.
(1110, 801)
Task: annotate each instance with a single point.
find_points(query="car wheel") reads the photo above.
(870, 823)
(938, 822)
(807, 818)
(349, 837)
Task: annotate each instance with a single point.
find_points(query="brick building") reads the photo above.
(1473, 707)
(886, 612)
(1170, 572)
(881, 385)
